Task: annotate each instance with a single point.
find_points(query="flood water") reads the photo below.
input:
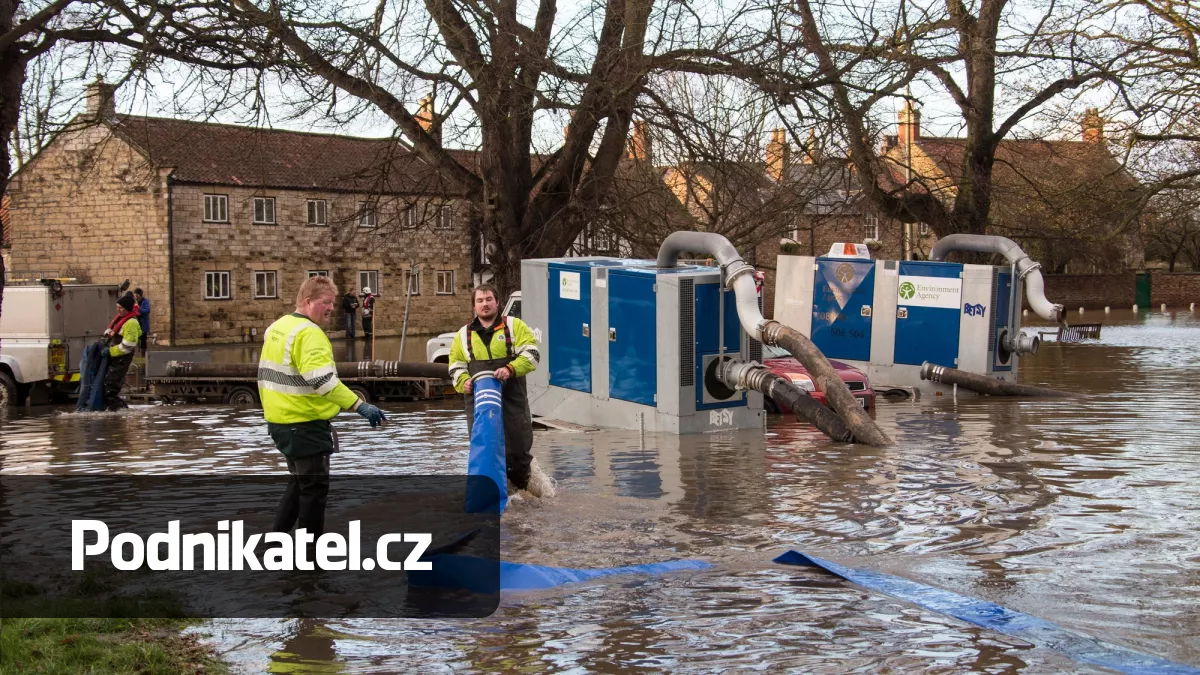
(1084, 513)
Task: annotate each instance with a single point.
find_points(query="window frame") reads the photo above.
(408, 219)
(410, 277)
(216, 198)
(444, 212)
(871, 222)
(373, 286)
(324, 209)
(227, 275)
(316, 273)
(267, 274)
(266, 202)
(442, 274)
(368, 215)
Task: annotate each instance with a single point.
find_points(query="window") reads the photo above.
(366, 214)
(414, 282)
(264, 284)
(316, 212)
(445, 217)
(216, 209)
(318, 273)
(264, 210)
(445, 282)
(924, 229)
(871, 227)
(216, 286)
(408, 219)
(370, 279)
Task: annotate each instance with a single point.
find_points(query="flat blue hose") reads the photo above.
(990, 615)
(479, 574)
(486, 456)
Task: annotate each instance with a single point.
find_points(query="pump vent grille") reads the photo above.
(995, 312)
(755, 345)
(687, 333)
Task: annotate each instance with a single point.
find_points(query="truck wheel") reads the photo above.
(240, 395)
(8, 391)
(360, 391)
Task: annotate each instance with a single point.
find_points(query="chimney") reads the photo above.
(1093, 126)
(101, 100)
(639, 147)
(812, 154)
(909, 127)
(426, 118)
(777, 155)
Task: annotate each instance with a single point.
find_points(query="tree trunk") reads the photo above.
(12, 79)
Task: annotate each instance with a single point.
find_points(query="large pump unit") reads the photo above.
(888, 317)
(630, 345)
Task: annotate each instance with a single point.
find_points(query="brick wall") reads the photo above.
(1176, 289)
(88, 206)
(1093, 291)
(291, 248)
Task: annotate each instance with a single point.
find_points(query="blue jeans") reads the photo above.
(350, 325)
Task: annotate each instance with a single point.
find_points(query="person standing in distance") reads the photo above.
(368, 312)
(349, 305)
(505, 347)
(122, 335)
(143, 304)
(300, 392)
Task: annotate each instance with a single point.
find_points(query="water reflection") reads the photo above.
(1082, 512)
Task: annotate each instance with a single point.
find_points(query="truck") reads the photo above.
(437, 349)
(45, 325)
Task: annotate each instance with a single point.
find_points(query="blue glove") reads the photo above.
(372, 414)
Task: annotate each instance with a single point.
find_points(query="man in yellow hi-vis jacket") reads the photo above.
(504, 346)
(123, 334)
(300, 392)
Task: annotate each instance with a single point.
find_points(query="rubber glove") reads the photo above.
(372, 414)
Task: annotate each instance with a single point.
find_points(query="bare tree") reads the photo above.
(998, 61)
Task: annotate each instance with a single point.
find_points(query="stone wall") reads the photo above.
(291, 248)
(88, 206)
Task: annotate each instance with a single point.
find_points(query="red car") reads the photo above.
(782, 363)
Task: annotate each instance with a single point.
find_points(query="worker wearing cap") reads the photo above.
(300, 392)
(504, 346)
(123, 333)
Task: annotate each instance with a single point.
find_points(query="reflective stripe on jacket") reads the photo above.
(130, 333)
(524, 348)
(297, 376)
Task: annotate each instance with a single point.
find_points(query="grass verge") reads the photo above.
(97, 645)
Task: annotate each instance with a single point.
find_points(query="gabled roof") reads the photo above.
(222, 154)
(1050, 168)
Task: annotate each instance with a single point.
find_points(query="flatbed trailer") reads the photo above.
(165, 382)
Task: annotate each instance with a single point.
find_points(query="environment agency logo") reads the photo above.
(907, 290)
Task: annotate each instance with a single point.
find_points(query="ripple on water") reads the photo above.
(1082, 512)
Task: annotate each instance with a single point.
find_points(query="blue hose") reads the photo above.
(990, 615)
(486, 456)
(480, 574)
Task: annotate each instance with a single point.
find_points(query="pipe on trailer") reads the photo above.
(1035, 289)
(345, 369)
(740, 277)
(986, 385)
(743, 375)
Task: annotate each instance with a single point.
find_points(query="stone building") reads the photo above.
(221, 224)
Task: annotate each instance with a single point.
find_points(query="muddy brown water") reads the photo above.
(1084, 513)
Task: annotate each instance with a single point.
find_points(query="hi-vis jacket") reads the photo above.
(130, 333)
(513, 338)
(297, 377)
